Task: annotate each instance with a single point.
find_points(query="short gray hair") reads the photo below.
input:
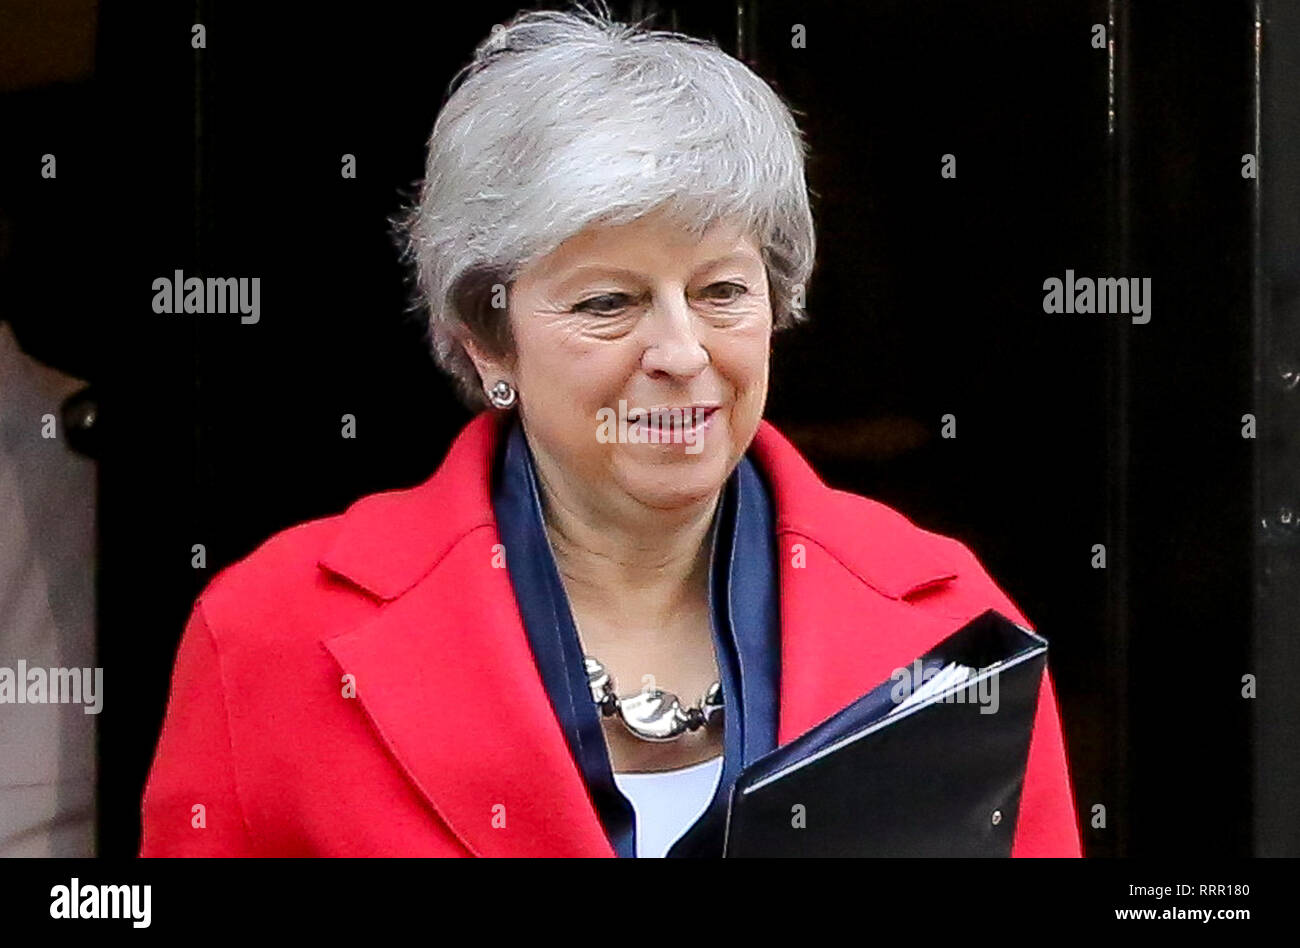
(566, 119)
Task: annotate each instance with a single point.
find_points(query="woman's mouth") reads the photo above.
(676, 423)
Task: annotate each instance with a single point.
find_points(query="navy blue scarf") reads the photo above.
(745, 625)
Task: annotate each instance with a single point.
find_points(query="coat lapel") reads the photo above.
(450, 686)
(445, 673)
(838, 638)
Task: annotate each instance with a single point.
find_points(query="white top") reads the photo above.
(668, 802)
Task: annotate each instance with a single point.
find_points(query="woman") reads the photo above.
(612, 224)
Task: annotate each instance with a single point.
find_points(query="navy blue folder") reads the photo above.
(941, 776)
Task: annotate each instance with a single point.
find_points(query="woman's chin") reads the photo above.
(672, 486)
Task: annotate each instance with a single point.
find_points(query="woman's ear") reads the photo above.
(490, 368)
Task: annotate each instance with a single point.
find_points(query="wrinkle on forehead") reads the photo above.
(625, 247)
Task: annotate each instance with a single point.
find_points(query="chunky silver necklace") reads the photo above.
(651, 714)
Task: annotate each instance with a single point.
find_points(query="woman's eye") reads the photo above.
(725, 292)
(611, 304)
(605, 304)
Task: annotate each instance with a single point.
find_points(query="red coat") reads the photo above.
(450, 721)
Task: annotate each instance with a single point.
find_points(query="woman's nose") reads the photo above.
(673, 346)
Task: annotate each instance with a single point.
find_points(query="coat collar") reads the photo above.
(388, 542)
(880, 546)
(498, 770)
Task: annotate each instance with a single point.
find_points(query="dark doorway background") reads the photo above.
(926, 300)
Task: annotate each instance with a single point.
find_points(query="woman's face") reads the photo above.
(647, 316)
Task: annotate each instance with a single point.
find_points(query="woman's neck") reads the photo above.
(637, 567)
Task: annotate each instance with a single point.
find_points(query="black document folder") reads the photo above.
(925, 764)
